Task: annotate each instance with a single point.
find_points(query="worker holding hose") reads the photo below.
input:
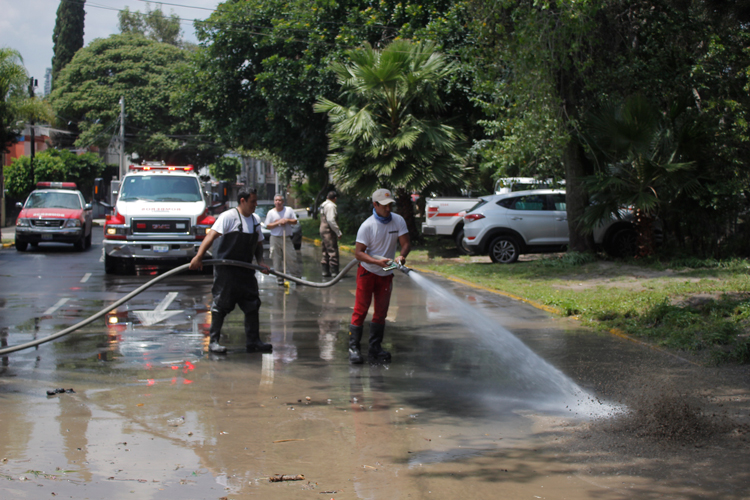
(239, 238)
(375, 248)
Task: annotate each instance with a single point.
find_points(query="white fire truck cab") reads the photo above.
(161, 215)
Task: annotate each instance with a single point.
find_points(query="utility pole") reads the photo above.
(122, 137)
(32, 84)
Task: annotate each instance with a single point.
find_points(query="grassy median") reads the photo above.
(701, 307)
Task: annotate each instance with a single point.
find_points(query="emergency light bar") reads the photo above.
(188, 168)
(56, 185)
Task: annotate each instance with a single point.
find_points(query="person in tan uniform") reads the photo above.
(329, 236)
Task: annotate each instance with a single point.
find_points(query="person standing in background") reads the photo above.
(279, 221)
(329, 236)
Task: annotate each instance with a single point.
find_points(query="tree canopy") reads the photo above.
(144, 73)
(152, 24)
(67, 35)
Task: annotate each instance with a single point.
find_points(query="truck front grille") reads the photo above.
(47, 222)
(160, 226)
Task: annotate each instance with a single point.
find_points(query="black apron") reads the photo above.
(232, 284)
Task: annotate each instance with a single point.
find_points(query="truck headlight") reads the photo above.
(23, 223)
(73, 223)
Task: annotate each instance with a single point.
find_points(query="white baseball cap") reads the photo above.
(383, 196)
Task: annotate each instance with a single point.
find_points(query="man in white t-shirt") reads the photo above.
(279, 221)
(376, 243)
(239, 237)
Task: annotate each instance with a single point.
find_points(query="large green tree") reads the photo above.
(548, 64)
(144, 72)
(152, 24)
(387, 130)
(55, 166)
(262, 64)
(67, 35)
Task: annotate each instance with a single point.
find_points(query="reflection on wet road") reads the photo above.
(155, 415)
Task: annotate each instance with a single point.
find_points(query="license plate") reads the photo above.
(160, 248)
(46, 236)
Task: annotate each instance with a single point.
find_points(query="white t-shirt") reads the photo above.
(229, 221)
(273, 216)
(381, 239)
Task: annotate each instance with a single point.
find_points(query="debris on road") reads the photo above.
(282, 477)
(60, 391)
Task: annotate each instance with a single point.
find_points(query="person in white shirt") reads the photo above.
(329, 236)
(279, 221)
(239, 238)
(376, 243)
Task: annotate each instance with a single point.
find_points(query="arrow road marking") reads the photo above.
(55, 307)
(159, 314)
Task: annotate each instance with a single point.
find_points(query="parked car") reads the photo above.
(507, 225)
(262, 210)
(54, 212)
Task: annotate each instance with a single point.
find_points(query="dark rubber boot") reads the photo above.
(252, 335)
(217, 321)
(355, 336)
(376, 352)
(334, 271)
(325, 270)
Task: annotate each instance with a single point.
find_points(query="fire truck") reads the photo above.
(161, 216)
(55, 212)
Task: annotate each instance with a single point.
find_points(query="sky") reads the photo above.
(27, 26)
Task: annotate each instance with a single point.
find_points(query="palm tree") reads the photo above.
(389, 132)
(639, 153)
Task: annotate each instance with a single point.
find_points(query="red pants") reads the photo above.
(371, 285)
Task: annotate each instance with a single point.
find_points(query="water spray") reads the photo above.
(177, 270)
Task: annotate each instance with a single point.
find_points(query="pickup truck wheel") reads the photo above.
(462, 249)
(88, 241)
(623, 243)
(21, 246)
(110, 264)
(504, 250)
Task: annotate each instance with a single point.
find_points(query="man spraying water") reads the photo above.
(375, 249)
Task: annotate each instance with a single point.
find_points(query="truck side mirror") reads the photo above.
(98, 189)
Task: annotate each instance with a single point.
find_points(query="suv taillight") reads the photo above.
(472, 217)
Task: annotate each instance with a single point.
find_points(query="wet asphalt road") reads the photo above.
(477, 383)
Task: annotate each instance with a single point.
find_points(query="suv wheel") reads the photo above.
(21, 246)
(623, 243)
(504, 250)
(462, 249)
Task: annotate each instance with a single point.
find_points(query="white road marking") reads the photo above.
(85, 277)
(159, 314)
(57, 306)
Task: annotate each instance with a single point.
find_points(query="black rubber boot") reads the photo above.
(334, 271)
(355, 336)
(252, 335)
(217, 321)
(377, 353)
(325, 270)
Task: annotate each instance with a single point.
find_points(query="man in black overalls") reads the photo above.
(240, 238)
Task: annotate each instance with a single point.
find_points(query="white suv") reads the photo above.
(507, 225)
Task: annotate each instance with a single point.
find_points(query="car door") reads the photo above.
(529, 216)
(558, 205)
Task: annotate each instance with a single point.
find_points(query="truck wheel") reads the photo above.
(462, 249)
(623, 243)
(88, 241)
(504, 250)
(21, 245)
(110, 264)
(80, 245)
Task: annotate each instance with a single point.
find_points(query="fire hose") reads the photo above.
(172, 272)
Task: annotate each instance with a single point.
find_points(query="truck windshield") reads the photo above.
(53, 200)
(160, 188)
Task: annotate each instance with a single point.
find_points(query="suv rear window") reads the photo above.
(480, 204)
(531, 202)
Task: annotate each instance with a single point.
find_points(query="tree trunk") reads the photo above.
(576, 197)
(406, 210)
